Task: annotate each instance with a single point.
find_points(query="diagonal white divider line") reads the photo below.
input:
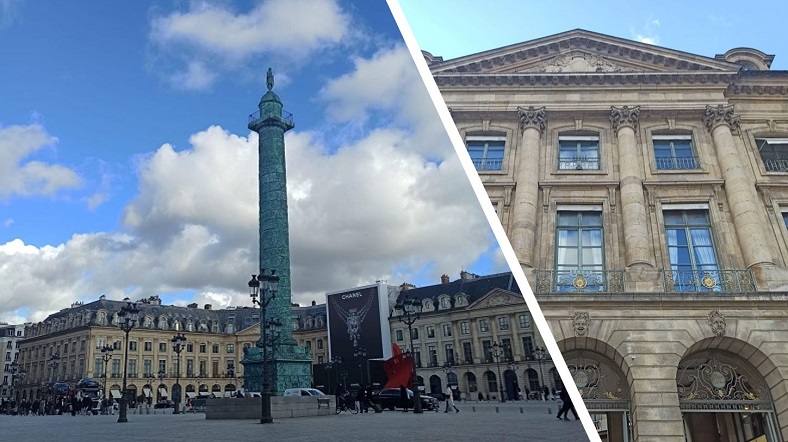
(492, 218)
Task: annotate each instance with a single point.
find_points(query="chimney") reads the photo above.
(207, 306)
(444, 279)
(192, 305)
(314, 303)
(467, 276)
(406, 286)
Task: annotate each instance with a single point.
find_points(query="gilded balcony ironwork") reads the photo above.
(579, 281)
(683, 281)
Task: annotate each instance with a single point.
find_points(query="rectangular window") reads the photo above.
(230, 348)
(674, 152)
(484, 325)
(133, 368)
(449, 352)
(414, 333)
(528, 345)
(98, 368)
(65, 347)
(308, 344)
(190, 367)
(82, 345)
(525, 321)
(503, 323)
(430, 331)
(465, 328)
(320, 359)
(774, 153)
(447, 330)
(486, 152)
(148, 346)
(190, 348)
(579, 249)
(203, 348)
(132, 345)
(487, 346)
(578, 153)
(116, 345)
(691, 249)
(507, 350)
(417, 357)
(116, 368)
(203, 369)
(147, 367)
(433, 353)
(163, 366)
(215, 348)
(162, 347)
(467, 352)
(319, 344)
(399, 335)
(215, 368)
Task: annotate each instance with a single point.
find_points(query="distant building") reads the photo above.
(10, 335)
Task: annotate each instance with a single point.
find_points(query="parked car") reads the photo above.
(303, 392)
(389, 399)
(165, 404)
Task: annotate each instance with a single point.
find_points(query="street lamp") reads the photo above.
(410, 312)
(497, 353)
(265, 287)
(54, 361)
(360, 353)
(17, 375)
(539, 355)
(150, 378)
(177, 346)
(128, 318)
(106, 356)
(162, 375)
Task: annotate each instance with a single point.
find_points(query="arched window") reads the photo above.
(163, 323)
(445, 302)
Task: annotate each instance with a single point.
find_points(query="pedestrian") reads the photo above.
(545, 392)
(368, 395)
(566, 406)
(403, 397)
(480, 397)
(361, 397)
(450, 400)
(87, 405)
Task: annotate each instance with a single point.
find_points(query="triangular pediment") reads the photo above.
(497, 297)
(578, 52)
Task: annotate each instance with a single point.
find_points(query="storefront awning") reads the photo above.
(115, 394)
(163, 392)
(191, 394)
(146, 391)
(229, 393)
(204, 394)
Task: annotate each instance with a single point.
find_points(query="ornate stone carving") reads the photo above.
(580, 322)
(532, 117)
(720, 114)
(496, 300)
(577, 62)
(717, 323)
(624, 117)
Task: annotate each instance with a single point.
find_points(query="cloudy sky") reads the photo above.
(126, 167)
(453, 28)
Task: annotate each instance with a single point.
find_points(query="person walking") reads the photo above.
(403, 397)
(566, 406)
(361, 397)
(450, 400)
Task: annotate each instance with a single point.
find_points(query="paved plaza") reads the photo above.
(508, 423)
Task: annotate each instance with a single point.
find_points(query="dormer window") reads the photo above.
(445, 302)
(230, 329)
(101, 318)
(163, 323)
(459, 300)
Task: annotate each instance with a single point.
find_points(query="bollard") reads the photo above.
(521, 410)
(549, 410)
(496, 409)
(474, 409)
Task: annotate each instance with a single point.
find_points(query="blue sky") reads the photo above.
(126, 167)
(455, 28)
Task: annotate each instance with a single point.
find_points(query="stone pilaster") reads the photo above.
(740, 191)
(633, 202)
(522, 229)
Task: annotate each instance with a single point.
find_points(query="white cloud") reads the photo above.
(20, 177)
(648, 40)
(226, 37)
(9, 12)
(649, 32)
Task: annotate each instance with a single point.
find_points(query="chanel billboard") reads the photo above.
(358, 318)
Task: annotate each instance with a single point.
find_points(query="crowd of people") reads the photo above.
(57, 405)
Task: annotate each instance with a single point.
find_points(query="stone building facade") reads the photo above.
(645, 193)
(10, 335)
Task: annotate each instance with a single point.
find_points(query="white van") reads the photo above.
(303, 392)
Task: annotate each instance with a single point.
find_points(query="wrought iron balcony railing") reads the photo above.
(488, 164)
(582, 281)
(287, 116)
(678, 163)
(776, 165)
(578, 163)
(684, 281)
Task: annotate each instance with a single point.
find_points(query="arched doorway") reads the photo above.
(492, 384)
(420, 383)
(216, 390)
(161, 393)
(229, 390)
(202, 390)
(435, 386)
(147, 390)
(176, 394)
(190, 392)
(604, 390)
(470, 383)
(131, 391)
(510, 384)
(723, 396)
(533, 381)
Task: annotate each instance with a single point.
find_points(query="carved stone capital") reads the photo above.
(624, 117)
(720, 114)
(532, 117)
(580, 323)
(717, 323)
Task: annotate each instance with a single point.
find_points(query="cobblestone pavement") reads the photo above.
(474, 422)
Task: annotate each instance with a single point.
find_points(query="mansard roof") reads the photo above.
(474, 289)
(579, 51)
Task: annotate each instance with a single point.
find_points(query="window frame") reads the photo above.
(671, 138)
(482, 162)
(579, 161)
(579, 227)
(695, 268)
(761, 142)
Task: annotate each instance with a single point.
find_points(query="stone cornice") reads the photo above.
(584, 79)
(664, 301)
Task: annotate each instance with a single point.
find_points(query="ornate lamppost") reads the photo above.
(17, 375)
(265, 287)
(410, 312)
(497, 353)
(539, 355)
(106, 356)
(54, 361)
(162, 375)
(128, 318)
(360, 353)
(177, 346)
